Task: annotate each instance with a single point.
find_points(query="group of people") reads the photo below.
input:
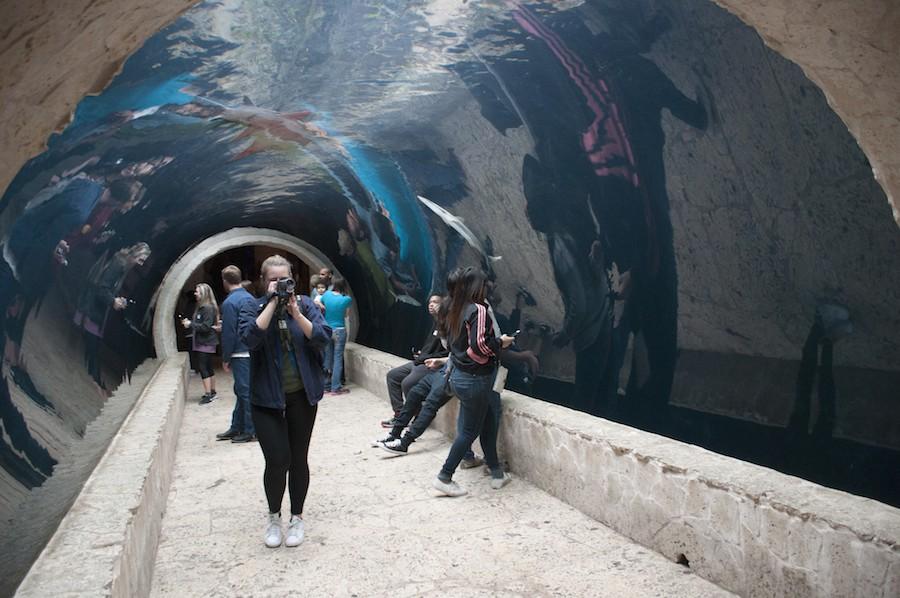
(277, 347)
(461, 358)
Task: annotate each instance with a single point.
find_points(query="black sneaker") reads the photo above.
(227, 435)
(395, 447)
(241, 438)
(388, 423)
(207, 398)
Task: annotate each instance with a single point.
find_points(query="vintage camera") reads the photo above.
(284, 288)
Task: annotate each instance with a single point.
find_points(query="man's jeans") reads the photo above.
(240, 417)
(334, 358)
(476, 419)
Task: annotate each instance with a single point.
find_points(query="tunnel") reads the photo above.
(685, 232)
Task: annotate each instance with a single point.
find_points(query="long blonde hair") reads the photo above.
(206, 298)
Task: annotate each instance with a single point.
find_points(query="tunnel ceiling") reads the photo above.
(657, 196)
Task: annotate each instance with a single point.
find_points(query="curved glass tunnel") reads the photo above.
(662, 202)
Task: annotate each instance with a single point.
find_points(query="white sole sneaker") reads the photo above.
(295, 533)
(274, 535)
(497, 483)
(450, 488)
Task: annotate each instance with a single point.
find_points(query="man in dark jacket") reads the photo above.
(402, 378)
(236, 356)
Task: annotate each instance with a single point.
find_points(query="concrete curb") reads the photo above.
(747, 528)
(106, 544)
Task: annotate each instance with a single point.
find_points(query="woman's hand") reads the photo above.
(294, 308)
(186, 323)
(506, 340)
(435, 363)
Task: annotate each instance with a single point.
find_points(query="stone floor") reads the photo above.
(374, 526)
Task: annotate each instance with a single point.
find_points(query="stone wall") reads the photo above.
(106, 544)
(747, 528)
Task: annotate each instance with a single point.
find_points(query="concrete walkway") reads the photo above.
(374, 526)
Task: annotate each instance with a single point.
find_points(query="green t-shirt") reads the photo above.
(290, 372)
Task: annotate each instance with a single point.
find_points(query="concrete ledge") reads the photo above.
(106, 544)
(747, 528)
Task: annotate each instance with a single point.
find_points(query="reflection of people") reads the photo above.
(286, 336)
(832, 322)
(204, 326)
(236, 356)
(402, 378)
(336, 302)
(474, 351)
(100, 295)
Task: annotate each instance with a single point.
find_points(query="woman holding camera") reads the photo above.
(205, 327)
(285, 335)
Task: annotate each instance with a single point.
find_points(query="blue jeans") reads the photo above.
(475, 419)
(493, 416)
(334, 358)
(240, 417)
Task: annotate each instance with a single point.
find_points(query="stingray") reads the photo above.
(456, 223)
(273, 130)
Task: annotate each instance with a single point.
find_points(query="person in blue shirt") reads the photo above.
(336, 302)
(236, 356)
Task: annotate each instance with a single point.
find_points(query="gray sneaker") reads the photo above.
(274, 535)
(497, 483)
(450, 488)
(295, 532)
(471, 463)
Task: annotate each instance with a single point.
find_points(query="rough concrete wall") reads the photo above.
(106, 544)
(850, 50)
(773, 208)
(54, 53)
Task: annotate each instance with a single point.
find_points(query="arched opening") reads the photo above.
(185, 268)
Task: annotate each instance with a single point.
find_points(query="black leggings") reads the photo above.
(203, 361)
(284, 439)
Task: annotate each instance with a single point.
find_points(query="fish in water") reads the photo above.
(456, 223)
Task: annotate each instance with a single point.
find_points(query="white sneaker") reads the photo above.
(273, 531)
(379, 441)
(450, 488)
(294, 532)
(497, 483)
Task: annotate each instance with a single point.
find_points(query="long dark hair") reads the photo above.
(466, 287)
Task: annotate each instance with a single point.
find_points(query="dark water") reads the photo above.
(653, 177)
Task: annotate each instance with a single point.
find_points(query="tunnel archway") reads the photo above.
(164, 338)
(758, 241)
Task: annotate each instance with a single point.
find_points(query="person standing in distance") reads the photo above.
(236, 356)
(285, 335)
(336, 302)
(204, 328)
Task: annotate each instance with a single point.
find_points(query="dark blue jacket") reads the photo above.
(265, 353)
(231, 310)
